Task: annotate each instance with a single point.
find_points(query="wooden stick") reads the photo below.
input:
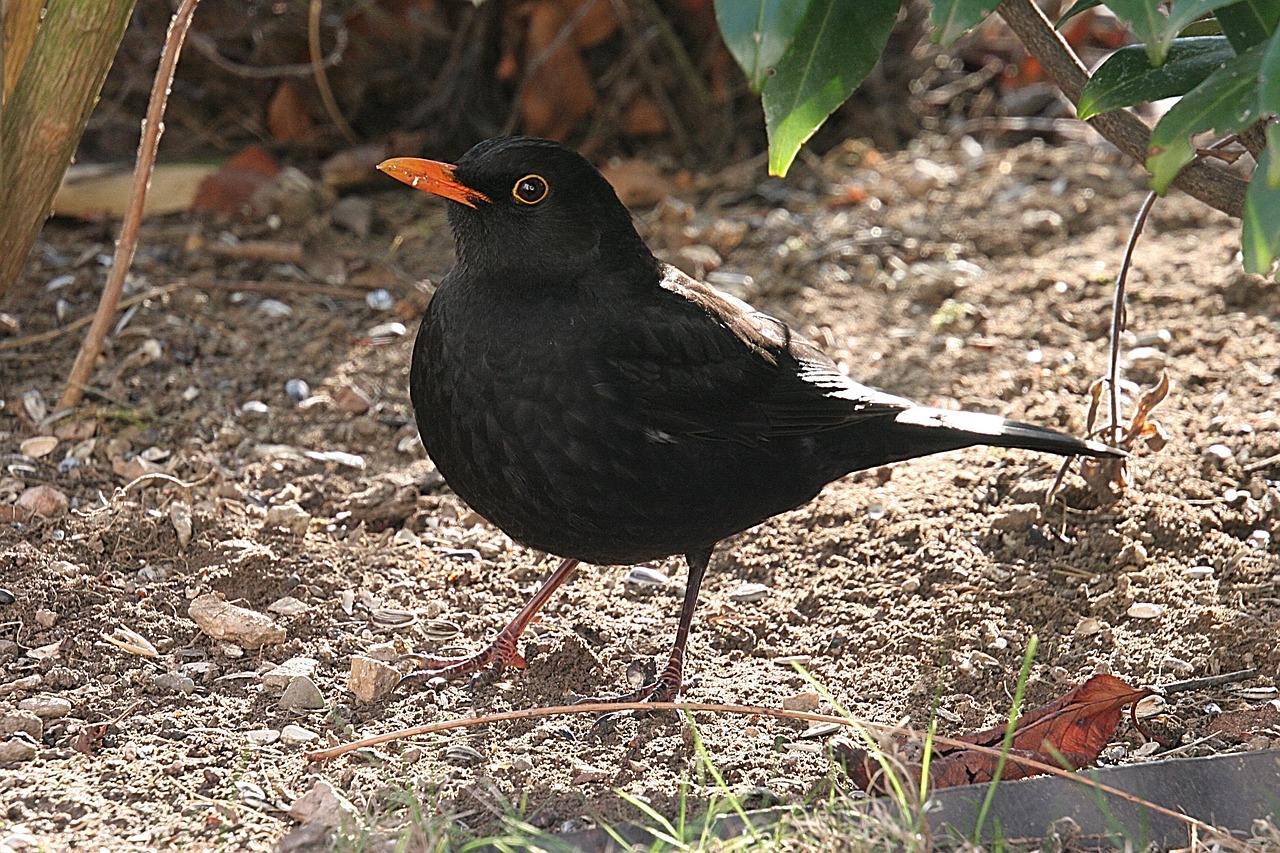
(152, 127)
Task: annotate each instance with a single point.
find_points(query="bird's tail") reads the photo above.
(937, 430)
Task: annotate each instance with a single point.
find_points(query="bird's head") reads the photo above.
(529, 206)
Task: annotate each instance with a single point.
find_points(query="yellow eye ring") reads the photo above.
(530, 189)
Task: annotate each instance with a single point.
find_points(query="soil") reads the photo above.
(958, 276)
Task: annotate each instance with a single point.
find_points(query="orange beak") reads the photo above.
(432, 177)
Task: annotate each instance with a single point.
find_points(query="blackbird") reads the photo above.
(598, 404)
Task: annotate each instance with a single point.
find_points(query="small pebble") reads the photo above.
(1145, 610)
(297, 389)
(239, 625)
(380, 300)
(38, 446)
(323, 805)
(46, 707)
(646, 576)
(371, 679)
(302, 694)
(807, 701)
(749, 593)
(352, 399)
(1218, 453)
(279, 677)
(1199, 572)
(290, 517)
(180, 518)
(353, 213)
(24, 722)
(174, 682)
(262, 737)
(287, 606)
(256, 408)
(17, 748)
(294, 735)
(274, 308)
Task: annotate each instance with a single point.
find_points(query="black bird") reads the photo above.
(600, 405)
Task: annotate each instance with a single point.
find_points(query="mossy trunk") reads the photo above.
(44, 115)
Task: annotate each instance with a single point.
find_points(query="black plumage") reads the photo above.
(605, 407)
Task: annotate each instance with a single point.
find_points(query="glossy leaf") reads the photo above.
(1184, 13)
(835, 47)
(1127, 76)
(1260, 225)
(1076, 8)
(953, 18)
(1148, 23)
(1226, 101)
(1249, 22)
(759, 33)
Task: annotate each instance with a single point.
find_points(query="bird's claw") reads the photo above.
(502, 652)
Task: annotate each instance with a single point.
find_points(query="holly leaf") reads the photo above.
(1127, 77)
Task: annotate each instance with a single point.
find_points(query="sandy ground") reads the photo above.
(957, 277)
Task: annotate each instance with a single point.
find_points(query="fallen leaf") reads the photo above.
(229, 188)
(92, 191)
(287, 116)
(1074, 729)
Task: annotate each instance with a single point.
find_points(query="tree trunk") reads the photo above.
(43, 120)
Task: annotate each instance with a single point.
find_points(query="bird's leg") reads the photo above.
(503, 650)
(666, 687)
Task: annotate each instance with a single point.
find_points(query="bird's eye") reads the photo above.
(530, 189)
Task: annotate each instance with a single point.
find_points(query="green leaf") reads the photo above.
(835, 47)
(1076, 8)
(758, 34)
(1269, 104)
(1260, 225)
(1149, 25)
(1226, 101)
(1127, 77)
(1273, 144)
(1249, 22)
(953, 18)
(1183, 14)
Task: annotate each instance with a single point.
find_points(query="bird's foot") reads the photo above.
(498, 654)
(664, 688)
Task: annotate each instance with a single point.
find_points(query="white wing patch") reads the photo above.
(967, 421)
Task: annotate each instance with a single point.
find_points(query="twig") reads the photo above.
(160, 475)
(1259, 464)
(322, 78)
(1213, 186)
(209, 50)
(271, 251)
(51, 334)
(1118, 314)
(1209, 681)
(152, 127)
(756, 711)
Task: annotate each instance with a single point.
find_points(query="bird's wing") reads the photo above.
(708, 364)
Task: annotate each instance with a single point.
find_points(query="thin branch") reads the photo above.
(208, 48)
(760, 711)
(322, 78)
(1212, 185)
(152, 127)
(1118, 315)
